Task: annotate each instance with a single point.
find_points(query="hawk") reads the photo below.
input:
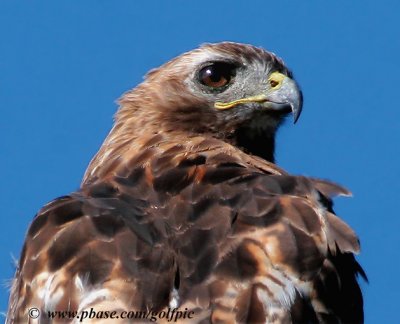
(183, 208)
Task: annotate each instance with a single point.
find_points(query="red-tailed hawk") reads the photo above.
(183, 210)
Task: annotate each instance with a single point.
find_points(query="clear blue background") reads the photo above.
(64, 63)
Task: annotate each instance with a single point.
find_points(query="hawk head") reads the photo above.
(235, 92)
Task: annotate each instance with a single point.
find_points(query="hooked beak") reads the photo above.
(283, 94)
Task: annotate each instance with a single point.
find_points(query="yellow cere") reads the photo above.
(276, 78)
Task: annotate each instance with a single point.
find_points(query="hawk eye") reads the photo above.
(216, 75)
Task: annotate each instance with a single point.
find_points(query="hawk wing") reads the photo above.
(196, 226)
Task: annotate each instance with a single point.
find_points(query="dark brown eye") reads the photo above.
(216, 75)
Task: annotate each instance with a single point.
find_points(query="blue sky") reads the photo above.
(64, 63)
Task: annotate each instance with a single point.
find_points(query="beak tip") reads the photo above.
(295, 118)
(296, 111)
(297, 107)
(292, 95)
